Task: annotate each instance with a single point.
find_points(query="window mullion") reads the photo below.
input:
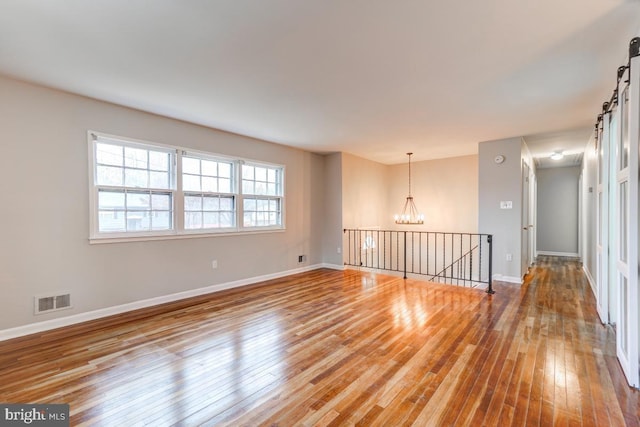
(237, 177)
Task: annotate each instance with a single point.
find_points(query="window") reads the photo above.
(209, 199)
(134, 187)
(262, 191)
(141, 189)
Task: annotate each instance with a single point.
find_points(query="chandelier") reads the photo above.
(410, 214)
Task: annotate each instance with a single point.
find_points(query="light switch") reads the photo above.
(507, 204)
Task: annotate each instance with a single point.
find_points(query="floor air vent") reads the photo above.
(48, 303)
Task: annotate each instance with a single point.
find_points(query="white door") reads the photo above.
(602, 238)
(626, 208)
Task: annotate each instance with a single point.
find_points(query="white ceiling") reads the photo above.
(371, 77)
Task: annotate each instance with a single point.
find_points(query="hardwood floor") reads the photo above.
(338, 348)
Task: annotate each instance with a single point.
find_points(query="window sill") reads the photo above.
(126, 239)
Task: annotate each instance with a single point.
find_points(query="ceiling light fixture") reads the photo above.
(410, 213)
(558, 155)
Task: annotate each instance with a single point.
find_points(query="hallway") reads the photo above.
(569, 355)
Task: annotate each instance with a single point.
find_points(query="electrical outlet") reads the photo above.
(509, 257)
(302, 258)
(339, 250)
(214, 264)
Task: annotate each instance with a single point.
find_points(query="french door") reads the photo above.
(626, 230)
(602, 239)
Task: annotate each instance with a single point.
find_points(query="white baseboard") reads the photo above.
(34, 328)
(331, 266)
(508, 279)
(565, 254)
(592, 282)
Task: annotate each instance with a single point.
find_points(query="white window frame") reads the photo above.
(279, 196)
(184, 193)
(178, 194)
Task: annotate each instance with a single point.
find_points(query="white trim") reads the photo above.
(188, 235)
(47, 325)
(592, 283)
(565, 254)
(332, 266)
(508, 279)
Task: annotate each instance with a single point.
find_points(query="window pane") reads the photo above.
(624, 220)
(161, 202)
(137, 221)
(138, 201)
(247, 187)
(247, 172)
(108, 175)
(209, 184)
(108, 154)
(161, 220)
(224, 185)
(271, 176)
(227, 219)
(159, 161)
(211, 204)
(209, 168)
(624, 123)
(226, 203)
(192, 220)
(110, 200)
(135, 158)
(190, 165)
(111, 221)
(261, 188)
(248, 219)
(159, 180)
(600, 155)
(136, 178)
(190, 183)
(224, 170)
(271, 189)
(193, 203)
(211, 219)
(261, 174)
(249, 204)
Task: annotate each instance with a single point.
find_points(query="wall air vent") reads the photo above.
(49, 303)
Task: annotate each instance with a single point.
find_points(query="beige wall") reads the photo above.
(45, 189)
(332, 197)
(45, 215)
(364, 192)
(445, 190)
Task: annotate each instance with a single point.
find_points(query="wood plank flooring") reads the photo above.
(338, 348)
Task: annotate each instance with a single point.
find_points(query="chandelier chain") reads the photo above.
(409, 154)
